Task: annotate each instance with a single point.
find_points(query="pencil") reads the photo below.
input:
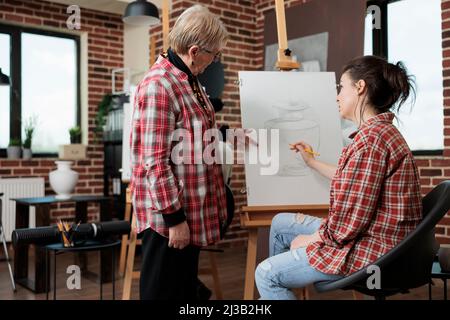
(312, 152)
(306, 150)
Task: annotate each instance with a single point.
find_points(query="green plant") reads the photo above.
(75, 134)
(30, 126)
(15, 142)
(103, 109)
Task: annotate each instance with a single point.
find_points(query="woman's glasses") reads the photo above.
(216, 55)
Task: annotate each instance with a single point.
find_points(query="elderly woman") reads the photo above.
(179, 207)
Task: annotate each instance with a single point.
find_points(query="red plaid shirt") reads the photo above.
(375, 200)
(165, 102)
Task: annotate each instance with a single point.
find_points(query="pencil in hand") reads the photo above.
(294, 146)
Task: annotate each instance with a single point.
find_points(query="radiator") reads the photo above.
(18, 188)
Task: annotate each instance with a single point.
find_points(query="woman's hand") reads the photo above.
(301, 146)
(304, 240)
(179, 236)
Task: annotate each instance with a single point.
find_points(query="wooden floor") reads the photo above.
(231, 269)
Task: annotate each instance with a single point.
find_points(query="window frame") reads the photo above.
(15, 115)
(380, 48)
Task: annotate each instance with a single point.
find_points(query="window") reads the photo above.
(411, 33)
(45, 81)
(5, 62)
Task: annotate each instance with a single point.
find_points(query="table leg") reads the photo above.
(429, 290)
(113, 274)
(101, 280)
(42, 219)
(445, 289)
(47, 270)
(54, 275)
(21, 251)
(251, 264)
(105, 255)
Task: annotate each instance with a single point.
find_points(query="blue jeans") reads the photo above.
(286, 269)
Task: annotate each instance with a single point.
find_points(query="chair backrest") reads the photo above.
(408, 265)
(1, 205)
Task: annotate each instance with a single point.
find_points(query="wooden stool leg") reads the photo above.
(125, 240)
(130, 262)
(215, 276)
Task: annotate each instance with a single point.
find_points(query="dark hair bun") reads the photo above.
(388, 85)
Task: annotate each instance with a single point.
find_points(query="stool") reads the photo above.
(58, 248)
(436, 272)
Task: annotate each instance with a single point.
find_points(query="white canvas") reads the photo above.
(127, 122)
(302, 106)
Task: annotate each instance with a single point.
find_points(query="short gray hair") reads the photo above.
(197, 26)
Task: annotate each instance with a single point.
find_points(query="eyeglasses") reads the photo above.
(216, 55)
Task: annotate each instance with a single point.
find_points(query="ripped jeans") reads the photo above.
(286, 269)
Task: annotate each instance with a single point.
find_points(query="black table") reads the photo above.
(436, 272)
(101, 246)
(42, 205)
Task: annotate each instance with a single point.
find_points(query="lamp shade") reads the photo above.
(141, 13)
(4, 79)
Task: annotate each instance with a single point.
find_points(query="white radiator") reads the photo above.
(18, 188)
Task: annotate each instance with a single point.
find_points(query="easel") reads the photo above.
(255, 217)
(285, 61)
(128, 247)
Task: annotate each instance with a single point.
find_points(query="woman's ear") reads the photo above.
(194, 50)
(361, 87)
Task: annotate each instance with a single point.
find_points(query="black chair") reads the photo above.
(408, 265)
(2, 235)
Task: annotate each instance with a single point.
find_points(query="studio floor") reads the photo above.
(231, 265)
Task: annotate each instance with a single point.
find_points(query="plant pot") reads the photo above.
(26, 154)
(14, 152)
(444, 257)
(63, 180)
(75, 140)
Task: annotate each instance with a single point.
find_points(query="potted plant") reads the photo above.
(102, 112)
(75, 135)
(30, 126)
(14, 148)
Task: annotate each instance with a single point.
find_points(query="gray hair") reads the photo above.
(197, 26)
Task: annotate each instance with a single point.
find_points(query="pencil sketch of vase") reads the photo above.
(296, 122)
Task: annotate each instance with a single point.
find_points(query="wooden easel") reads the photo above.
(255, 217)
(285, 61)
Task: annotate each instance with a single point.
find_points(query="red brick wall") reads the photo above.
(105, 43)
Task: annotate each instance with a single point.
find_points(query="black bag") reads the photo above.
(230, 211)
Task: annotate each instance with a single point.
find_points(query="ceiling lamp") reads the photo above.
(141, 13)
(4, 79)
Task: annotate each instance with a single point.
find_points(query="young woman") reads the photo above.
(375, 198)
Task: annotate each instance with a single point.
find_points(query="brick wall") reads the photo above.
(245, 22)
(105, 43)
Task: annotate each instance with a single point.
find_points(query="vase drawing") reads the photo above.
(63, 180)
(296, 122)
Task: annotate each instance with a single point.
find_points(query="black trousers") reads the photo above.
(167, 273)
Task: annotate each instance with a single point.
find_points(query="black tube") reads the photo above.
(86, 231)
